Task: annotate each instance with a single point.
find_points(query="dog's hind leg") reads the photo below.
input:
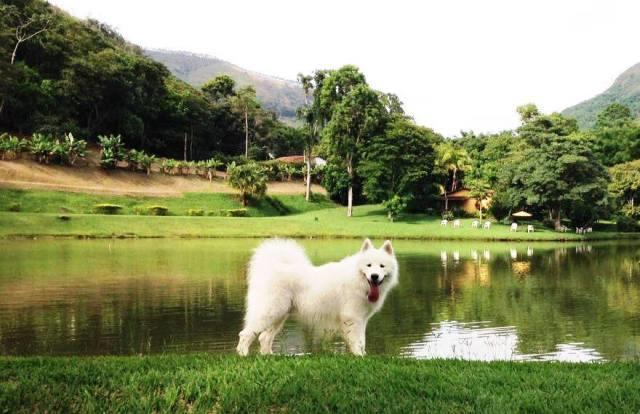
(263, 320)
(266, 337)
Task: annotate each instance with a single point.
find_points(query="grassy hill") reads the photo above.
(625, 90)
(280, 95)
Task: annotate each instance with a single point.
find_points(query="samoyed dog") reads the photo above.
(339, 297)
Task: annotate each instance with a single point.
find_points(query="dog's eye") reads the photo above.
(369, 265)
(382, 266)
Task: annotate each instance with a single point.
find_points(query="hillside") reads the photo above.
(625, 90)
(280, 95)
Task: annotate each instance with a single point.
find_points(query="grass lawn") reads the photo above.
(326, 383)
(279, 215)
(38, 201)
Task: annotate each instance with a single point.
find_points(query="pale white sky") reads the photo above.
(456, 64)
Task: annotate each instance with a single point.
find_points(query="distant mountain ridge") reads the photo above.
(279, 95)
(625, 90)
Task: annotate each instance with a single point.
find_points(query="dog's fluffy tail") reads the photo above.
(283, 255)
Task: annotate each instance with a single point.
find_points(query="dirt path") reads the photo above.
(91, 179)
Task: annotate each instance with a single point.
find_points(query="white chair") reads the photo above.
(475, 224)
(579, 230)
(589, 229)
(530, 228)
(444, 222)
(456, 256)
(486, 225)
(456, 224)
(514, 227)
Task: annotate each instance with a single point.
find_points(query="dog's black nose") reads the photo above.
(374, 277)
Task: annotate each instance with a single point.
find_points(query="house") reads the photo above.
(462, 200)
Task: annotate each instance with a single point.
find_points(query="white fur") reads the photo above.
(333, 296)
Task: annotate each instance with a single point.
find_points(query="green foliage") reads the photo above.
(395, 206)
(627, 224)
(614, 116)
(195, 212)
(112, 151)
(451, 162)
(139, 160)
(42, 147)
(220, 87)
(401, 161)
(237, 212)
(335, 181)
(250, 179)
(169, 166)
(625, 187)
(14, 207)
(107, 208)
(72, 149)
(11, 147)
(157, 210)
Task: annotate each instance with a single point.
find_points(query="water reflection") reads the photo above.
(480, 341)
(459, 300)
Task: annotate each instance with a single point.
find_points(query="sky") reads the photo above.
(456, 64)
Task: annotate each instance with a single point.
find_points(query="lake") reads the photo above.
(470, 300)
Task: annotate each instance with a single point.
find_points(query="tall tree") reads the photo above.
(356, 119)
(245, 103)
(451, 160)
(220, 87)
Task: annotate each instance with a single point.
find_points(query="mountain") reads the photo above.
(625, 90)
(279, 95)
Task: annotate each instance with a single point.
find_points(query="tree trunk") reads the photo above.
(556, 219)
(246, 132)
(185, 146)
(191, 141)
(307, 193)
(350, 193)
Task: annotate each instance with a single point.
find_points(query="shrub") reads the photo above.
(448, 215)
(42, 147)
(394, 206)
(72, 149)
(250, 179)
(195, 212)
(14, 207)
(238, 212)
(158, 210)
(168, 166)
(11, 147)
(139, 161)
(112, 151)
(627, 224)
(64, 217)
(106, 208)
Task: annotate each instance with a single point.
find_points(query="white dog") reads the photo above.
(338, 296)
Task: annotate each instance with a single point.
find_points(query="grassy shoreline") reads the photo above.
(369, 221)
(325, 383)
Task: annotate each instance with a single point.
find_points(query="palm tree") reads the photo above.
(244, 102)
(451, 159)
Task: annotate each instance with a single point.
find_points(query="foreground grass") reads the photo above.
(369, 221)
(208, 383)
(38, 201)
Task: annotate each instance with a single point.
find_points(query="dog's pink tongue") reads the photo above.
(374, 292)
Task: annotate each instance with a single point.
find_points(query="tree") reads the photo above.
(401, 162)
(355, 120)
(220, 87)
(559, 174)
(250, 179)
(614, 116)
(311, 115)
(625, 186)
(481, 191)
(26, 28)
(451, 159)
(245, 103)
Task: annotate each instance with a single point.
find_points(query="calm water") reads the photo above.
(461, 300)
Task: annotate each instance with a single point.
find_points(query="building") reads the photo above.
(462, 200)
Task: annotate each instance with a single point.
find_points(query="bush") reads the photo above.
(139, 161)
(106, 208)
(70, 149)
(158, 210)
(64, 217)
(394, 206)
(500, 206)
(11, 147)
(112, 151)
(42, 147)
(250, 179)
(14, 207)
(195, 212)
(168, 166)
(627, 224)
(238, 212)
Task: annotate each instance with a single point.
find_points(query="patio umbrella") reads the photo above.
(522, 214)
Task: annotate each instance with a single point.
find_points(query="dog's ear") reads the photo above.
(387, 247)
(366, 245)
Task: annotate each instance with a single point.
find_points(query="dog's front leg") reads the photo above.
(354, 334)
